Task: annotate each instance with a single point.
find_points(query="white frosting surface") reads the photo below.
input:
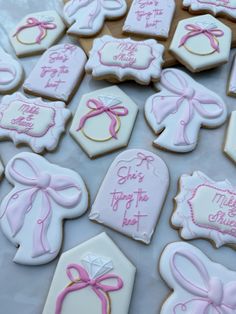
(85, 300)
(230, 143)
(97, 127)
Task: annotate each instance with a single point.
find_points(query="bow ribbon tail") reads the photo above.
(102, 298)
(88, 116)
(19, 204)
(113, 124)
(213, 42)
(40, 241)
(186, 37)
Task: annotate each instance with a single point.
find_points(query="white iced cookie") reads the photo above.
(150, 18)
(104, 121)
(125, 59)
(32, 121)
(57, 73)
(36, 32)
(232, 80)
(11, 73)
(216, 7)
(94, 277)
(230, 141)
(205, 209)
(1, 169)
(86, 17)
(199, 285)
(31, 215)
(132, 194)
(180, 109)
(201, 43)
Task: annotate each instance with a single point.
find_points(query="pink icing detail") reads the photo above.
(231, 212)
(98, 108)
(215, 297)
(22, 201)
(7, 68)
(96, 285)
(210, 33)
(52, 123)
(232, 80)
(163, 106)
(225, 5)
(34, 22)
(126, 50)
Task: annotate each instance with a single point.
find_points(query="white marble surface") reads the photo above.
(24, 289)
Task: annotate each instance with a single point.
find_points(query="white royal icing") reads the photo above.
(32, 121)
(230, 143)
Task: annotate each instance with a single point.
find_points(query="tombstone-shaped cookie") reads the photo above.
(104, 121)
(94, 277)
(57, 73)
(132, 194)
(230, 141)
(201, 43)
(199, 285)
(32, 121)
(32, 213)
(36, 32)
(150, 18)
(180, 109)
(205, 209)
(86, 18)
(11, 73)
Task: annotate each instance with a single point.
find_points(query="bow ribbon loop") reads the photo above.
(21, 202)
(214, 297)
(98, 107)
(163, 106)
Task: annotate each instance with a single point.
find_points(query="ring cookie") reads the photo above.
(180, 109)
(32, 213)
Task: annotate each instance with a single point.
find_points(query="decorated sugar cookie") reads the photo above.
(86, 18)
(94, 277)
(32, 121)
(201, 43)
(232, 80)
(125, 59)
(31, 215)
(216, 7)
(199, 285)
(36, 32)
(1, 169)
(150, 18)
(230, 141)
(180, 109)
(57, 73)
(132, 194)
(206, 209)
(11, 73)
(104, 121)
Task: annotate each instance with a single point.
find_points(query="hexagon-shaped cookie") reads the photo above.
(104, 121)
(201, 43)
(36, 32)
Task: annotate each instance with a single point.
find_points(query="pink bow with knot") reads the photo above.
(163, 106)
(210, 33)
(33, 22)
(84, 281)
(144, 158)
(214, 297)
(98, 107)
(22, 201)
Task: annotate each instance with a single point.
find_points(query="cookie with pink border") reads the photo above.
(216, 7)
(57, 73)
(180, 109)
(32, 213)
(123, 59)
(32, 121)
(206, 209)
(86, 18)
(232, 80)
(198, 284)
(132, 194)
(150, 18)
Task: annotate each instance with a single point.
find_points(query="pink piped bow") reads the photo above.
(211, 32)
(106, 105)
(82, 281)
(165, 105)
(214, 297)
(22, 201)
(34, 22)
